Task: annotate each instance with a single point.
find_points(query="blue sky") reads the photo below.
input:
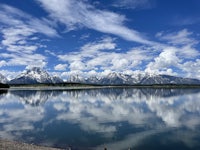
(89, 37)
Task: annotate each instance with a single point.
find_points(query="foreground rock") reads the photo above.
(12, 145)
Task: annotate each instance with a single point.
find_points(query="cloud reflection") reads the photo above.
(103, 112)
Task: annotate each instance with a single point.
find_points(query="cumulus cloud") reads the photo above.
(166, 59)
(76, 14)
(192, 68)
(102, 55)
(60, 67)
(173, 57)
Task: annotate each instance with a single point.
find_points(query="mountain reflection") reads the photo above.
(2, 92)
(35, 97)
(38, 97)
(125, 114)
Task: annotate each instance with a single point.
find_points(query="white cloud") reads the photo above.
(183, 20)
(166, 59)
(134, 4)
(173, 57)
(76, 14)
(20, 46)
(191, 68)
(2, 63)
(60, 67)
(77, 65)
(188, 51)
(19, 30)
(50, 52)
(14, 17)
(182, 37)
(104, 44)
(23, 59)
(10, 74)
(102, 55)
(12, 35)
(85, 36)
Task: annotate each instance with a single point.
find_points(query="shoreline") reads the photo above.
(85, 87)
(14, 145)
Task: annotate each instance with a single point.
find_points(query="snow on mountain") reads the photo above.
(3, 79)
(38, 75)
(93, 80)
(125, 79)
(76, 79)
(35, 75)
(116, 78)
(56, 79)
(167, 79)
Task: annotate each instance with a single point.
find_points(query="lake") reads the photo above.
(116, 118)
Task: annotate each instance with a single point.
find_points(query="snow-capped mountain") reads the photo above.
(56, 79)
(114, 78)
(125, 79)
(76, 79)
(35, 75)
(167, 79)
(38, 75)
(3, 79)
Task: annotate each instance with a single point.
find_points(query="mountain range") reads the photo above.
(34, 76)
(125, 79)
(37, 75)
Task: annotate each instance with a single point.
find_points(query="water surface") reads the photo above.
(116, 118)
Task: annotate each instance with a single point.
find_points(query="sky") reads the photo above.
(96, 37)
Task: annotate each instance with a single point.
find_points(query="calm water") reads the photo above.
(140, 119)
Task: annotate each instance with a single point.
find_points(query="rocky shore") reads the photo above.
(13, 145)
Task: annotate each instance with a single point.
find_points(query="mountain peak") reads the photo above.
(35, 75)
(115, 78)
(38, 75)
(36, 69)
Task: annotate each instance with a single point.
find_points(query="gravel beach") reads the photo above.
(12, 145)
